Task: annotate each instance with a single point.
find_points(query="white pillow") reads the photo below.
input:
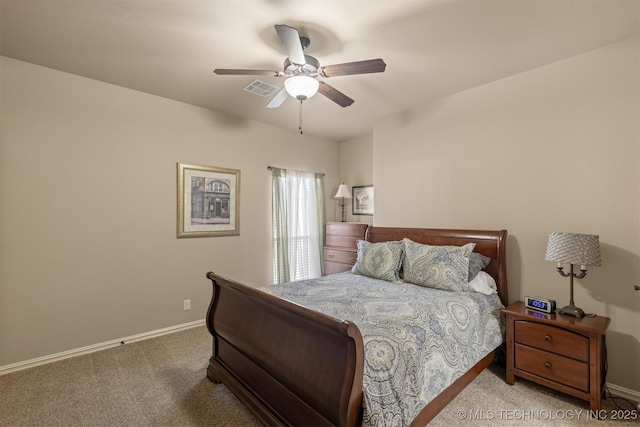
(483, 283)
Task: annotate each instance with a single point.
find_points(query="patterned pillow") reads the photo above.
(477, 262)
(379, 260)
(439, 267)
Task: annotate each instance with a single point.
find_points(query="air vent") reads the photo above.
(261, 88)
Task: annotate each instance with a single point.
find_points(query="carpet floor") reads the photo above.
(162, 382)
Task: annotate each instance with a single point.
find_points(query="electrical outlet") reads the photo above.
(187, 304)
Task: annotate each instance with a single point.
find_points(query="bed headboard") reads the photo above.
(491, 243)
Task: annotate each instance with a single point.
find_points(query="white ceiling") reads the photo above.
(432, 48)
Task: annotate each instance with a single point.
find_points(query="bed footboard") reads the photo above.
(289, 365)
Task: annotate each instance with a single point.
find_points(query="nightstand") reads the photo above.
(341, 250)
(561, 352)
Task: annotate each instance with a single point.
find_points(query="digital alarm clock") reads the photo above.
(541, 304)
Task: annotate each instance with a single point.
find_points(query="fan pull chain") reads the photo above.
(300, 118)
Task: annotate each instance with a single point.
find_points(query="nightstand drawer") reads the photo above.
(559, 351)
(553, 367)
(335, 255)
(553, 339)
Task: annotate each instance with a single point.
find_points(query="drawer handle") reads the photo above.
(547, 338)
(547, 365)
(330, 255)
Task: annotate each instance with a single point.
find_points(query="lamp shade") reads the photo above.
(301, 87)
(573, 248)
(343, 191)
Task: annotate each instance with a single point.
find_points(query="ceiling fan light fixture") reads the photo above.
(301, 87)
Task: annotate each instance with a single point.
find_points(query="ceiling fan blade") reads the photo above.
(358, 67)
(291, 41)
(335, 95)
(235, 72)
(278, 99)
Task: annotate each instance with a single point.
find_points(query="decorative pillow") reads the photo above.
(477, 262)
(483, 283)
(439, 267)
(379, 260)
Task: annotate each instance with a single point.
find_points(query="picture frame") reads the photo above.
(362, 203)
(208, 201)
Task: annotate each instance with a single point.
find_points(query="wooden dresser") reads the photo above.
(562, 352)
(340, 250)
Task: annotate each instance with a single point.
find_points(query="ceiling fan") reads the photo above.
(303, 70)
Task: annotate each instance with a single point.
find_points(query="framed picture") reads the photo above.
(362, 200)
(208, 201)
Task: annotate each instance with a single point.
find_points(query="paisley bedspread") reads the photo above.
(417, 340)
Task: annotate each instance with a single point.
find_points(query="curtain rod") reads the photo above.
(274, 167)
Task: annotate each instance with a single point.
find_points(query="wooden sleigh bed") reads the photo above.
(294, 366)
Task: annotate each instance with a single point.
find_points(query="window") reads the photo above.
(298, 224)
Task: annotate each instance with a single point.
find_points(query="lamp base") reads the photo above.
(572, 310)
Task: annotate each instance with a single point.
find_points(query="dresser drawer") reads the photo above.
(336, 255)
(335, 267)
(340, 250)
(342, 241)
(553, 339)
(346, 229)
(553, 367)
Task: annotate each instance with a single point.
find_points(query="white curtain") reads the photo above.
(298, 224)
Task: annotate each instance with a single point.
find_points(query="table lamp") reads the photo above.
(573, 248)
(343, 192)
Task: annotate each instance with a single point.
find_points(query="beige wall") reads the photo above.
(356, 169)
(88, 221)
(553, 149)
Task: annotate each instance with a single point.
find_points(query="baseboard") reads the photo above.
(97, 347)
(617, 390)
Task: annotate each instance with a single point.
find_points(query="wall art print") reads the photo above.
(362, 200)
(208, 201)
